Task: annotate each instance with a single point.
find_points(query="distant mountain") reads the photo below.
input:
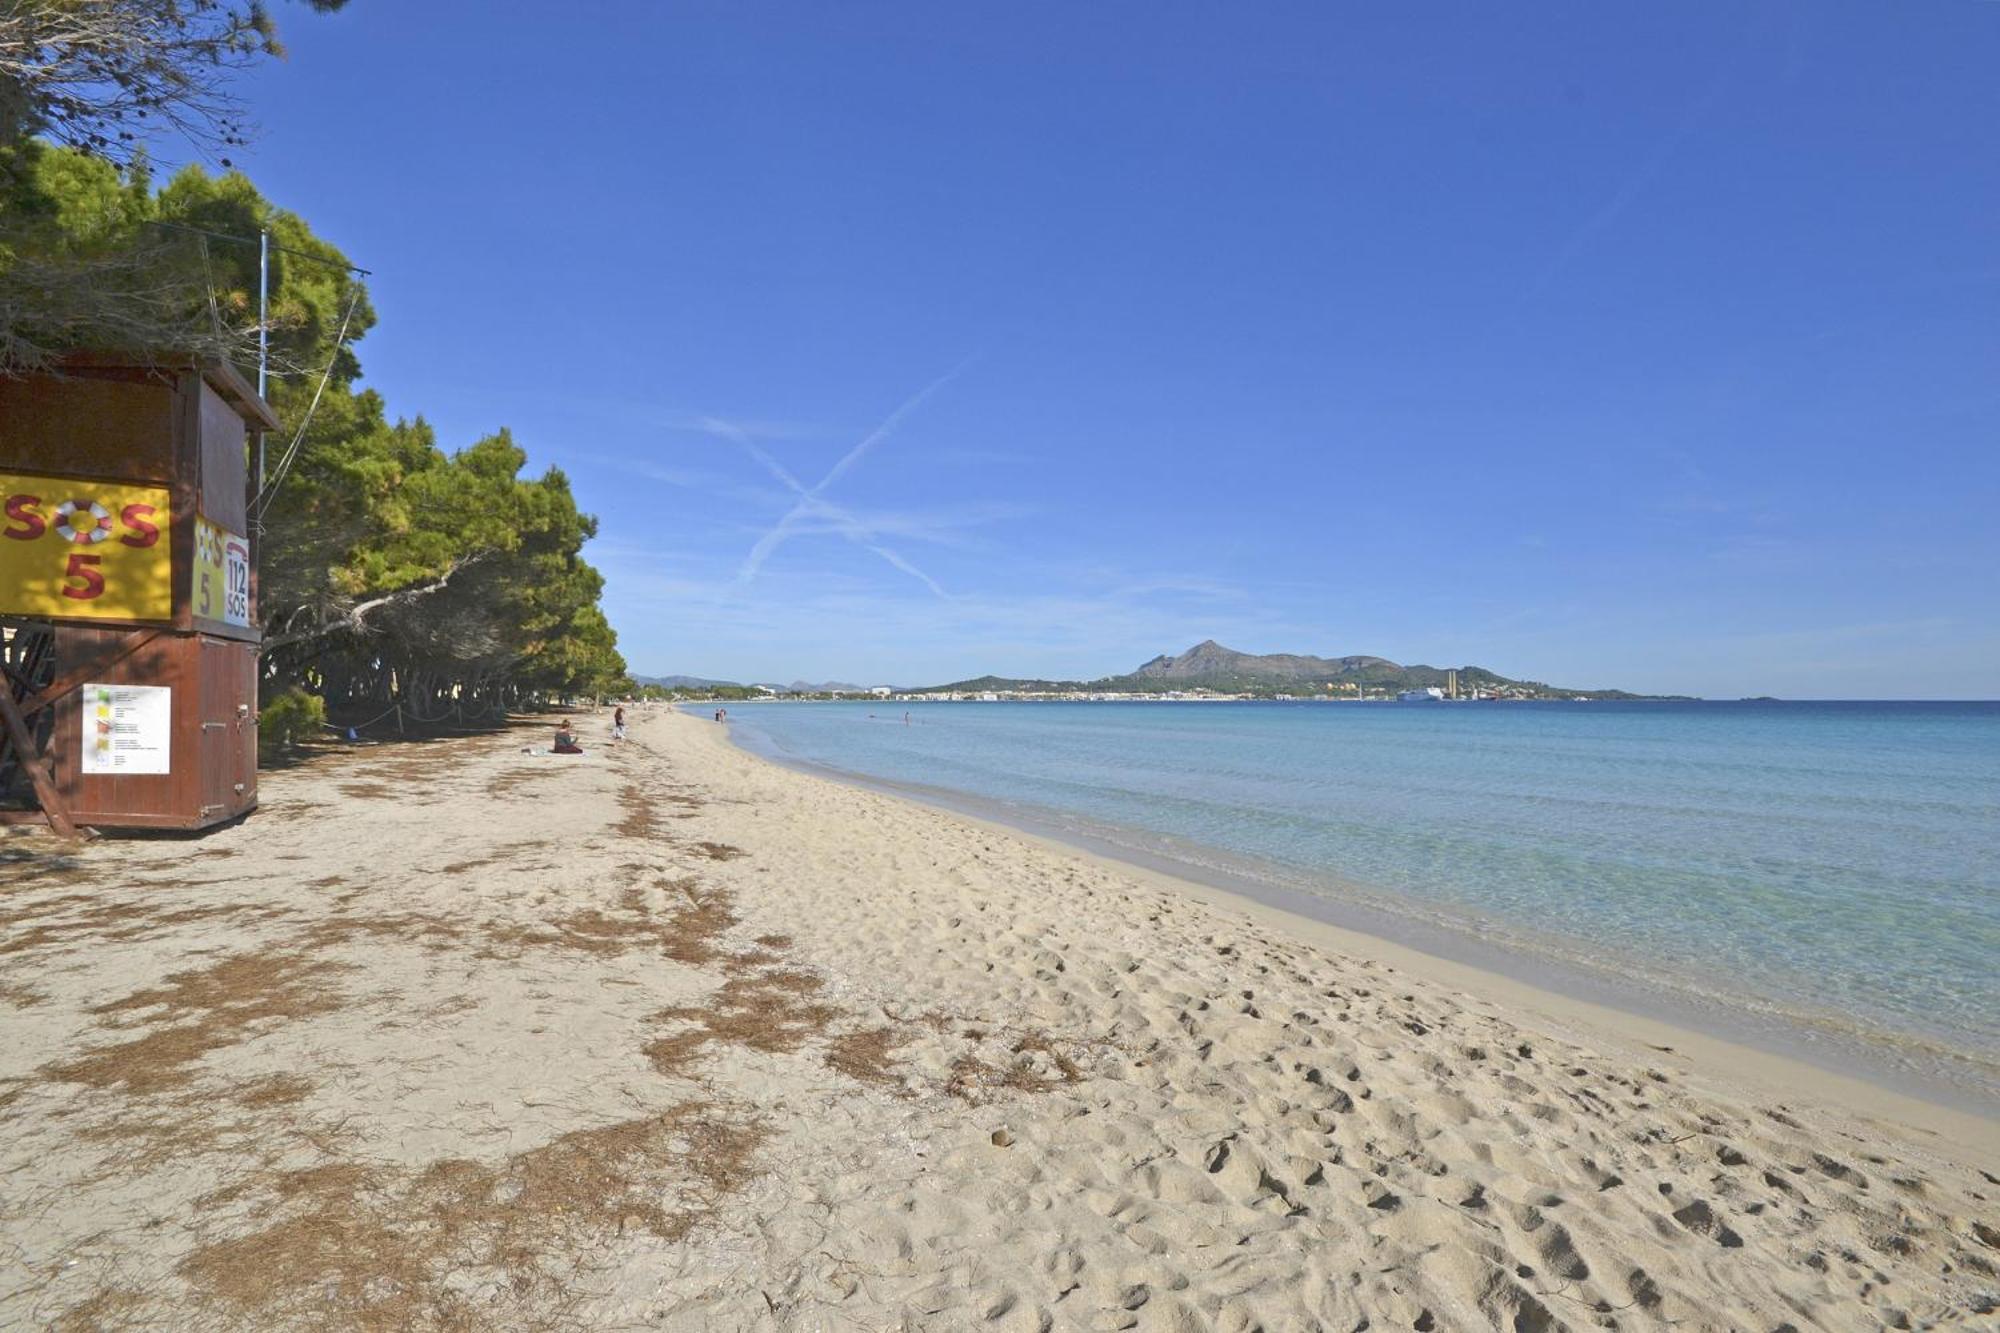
(1210, 666)
(1209, 659)
(984, 684)
(682, 682)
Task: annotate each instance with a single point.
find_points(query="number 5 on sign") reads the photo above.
(84, 582)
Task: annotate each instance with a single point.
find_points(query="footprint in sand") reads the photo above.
(1701, 1219)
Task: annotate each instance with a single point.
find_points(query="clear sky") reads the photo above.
(1613, 344)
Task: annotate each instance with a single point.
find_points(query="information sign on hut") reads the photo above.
(127, 604)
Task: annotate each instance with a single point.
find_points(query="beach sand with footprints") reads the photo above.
(453, 1036)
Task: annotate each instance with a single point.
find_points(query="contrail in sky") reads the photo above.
(811, 504)
(889, 424)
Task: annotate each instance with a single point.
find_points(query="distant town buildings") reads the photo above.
(1308, 690)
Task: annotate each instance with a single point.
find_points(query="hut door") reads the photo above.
(245, 782)
(228, 731)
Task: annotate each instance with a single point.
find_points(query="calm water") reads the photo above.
(1832, 866)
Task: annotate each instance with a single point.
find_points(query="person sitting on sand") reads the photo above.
(566, 739)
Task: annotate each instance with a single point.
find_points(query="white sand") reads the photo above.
(671, 1037)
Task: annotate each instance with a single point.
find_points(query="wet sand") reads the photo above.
(1918, 1076)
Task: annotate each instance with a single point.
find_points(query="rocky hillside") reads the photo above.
(1210, 666)
(1209, 659)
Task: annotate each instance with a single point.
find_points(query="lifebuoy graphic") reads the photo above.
(98, 530)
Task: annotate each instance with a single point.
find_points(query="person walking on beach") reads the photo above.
(618, 723)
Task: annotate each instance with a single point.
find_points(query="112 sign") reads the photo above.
(221, 574)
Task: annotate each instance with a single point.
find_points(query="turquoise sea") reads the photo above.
(1821, 878)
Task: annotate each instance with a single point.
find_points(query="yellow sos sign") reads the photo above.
(92, 550)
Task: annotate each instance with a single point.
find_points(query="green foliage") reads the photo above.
(101, 75)
(84, 84)
(292, 717)
(69, 203)
(391, 569)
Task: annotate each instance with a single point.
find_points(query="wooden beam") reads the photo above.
(30, 760)
(70, 680)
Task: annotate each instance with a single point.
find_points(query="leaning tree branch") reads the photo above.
(354, 619)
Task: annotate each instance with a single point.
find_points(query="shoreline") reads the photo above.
(1593, 1007)
(667, 1035)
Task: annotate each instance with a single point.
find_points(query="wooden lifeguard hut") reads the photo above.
(128, 616)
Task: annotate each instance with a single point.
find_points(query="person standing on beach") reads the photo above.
(618, 723)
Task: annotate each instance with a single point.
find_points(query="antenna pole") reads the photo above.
(263, 334)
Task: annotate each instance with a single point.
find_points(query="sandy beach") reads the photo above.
(454, 1036)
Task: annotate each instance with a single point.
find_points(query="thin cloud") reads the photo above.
(1074, 628)
(684, 478)
(742, 428)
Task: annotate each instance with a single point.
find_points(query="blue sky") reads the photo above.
(1654, 346)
